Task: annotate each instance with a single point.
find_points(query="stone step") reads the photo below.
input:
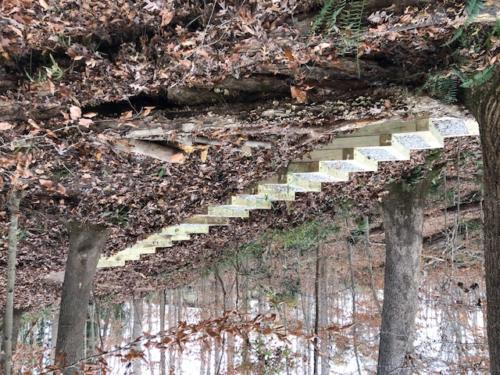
(207, 219)
(303, 184)
(180, 237)
(455, 127)
(277, 192)
(251, 201)
(186, 229)
(317, 171)
(127, 255)
(157, 240)
(227, 210)
(358, 151)
(390, 149)
(110, 263)
(345, 160)
(421, 140)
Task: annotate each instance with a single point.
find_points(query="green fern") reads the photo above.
(323, 15)
(479, 78)
(443, 86)
(349, 24)
(343, 16)
(473, 8)
(332, 20)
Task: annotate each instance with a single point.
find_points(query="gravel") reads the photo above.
(413, 142)
(316, 177)
(379, 154)
(450, 126)
(345, 165)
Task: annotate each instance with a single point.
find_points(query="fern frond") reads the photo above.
(332, 20)
(443, 87)
(479, 78)
(325, 12)
(349, 24)
(473, 8)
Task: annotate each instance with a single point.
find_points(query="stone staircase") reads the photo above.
(359, 151)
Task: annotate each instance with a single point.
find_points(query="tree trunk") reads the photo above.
(137, 332)
(353, 303)
(53, 334)
(14, 201)
(162, 330)
(324, 313)
(403, 211)
(86, 242)
(316, 313)
(16, 324)
(484, 102)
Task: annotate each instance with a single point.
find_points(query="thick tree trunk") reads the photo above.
(403, 221)
(14, 201)
(485, 104)
(86, 243)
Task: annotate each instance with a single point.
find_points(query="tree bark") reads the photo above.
(316, 314)
(137, 332)
(14, 201)
(484, 102)
(353, 302)
(86, 243)
(403, 210)
(162, 330)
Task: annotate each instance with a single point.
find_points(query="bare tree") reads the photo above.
(316, 313)
(403, 210)
(86, 242)
(353, 301)
(162, 330)
(137, 331)
(13, 205)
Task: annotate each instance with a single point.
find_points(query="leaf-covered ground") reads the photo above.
(75, 76)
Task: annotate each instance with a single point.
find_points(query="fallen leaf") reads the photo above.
(177, 158)
(33, 123)
(289, 54)
(5, 126)
(16, 30)
(50, 133)
(85, 122)
(299, 95)
(75, 112)
(61, 189)
(167, 16)
(46, 183)
(147, 111)
(44, 4)
(204, 155)
(126, 115)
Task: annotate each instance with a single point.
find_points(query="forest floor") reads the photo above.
(74, 81)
